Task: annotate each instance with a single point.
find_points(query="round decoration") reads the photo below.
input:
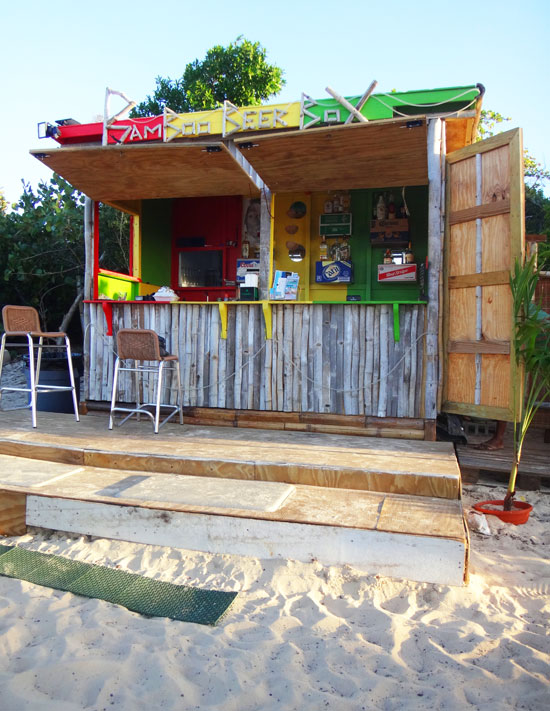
(297, 210)
(291, 229)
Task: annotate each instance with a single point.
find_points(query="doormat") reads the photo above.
(153, 598)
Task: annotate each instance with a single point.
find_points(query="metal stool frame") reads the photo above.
(24, 322)
(143, 345)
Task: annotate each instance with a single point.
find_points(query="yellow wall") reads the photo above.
(281, 260)
(321, 292)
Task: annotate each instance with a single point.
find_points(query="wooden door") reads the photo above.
(484, 236)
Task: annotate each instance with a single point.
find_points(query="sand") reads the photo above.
(299, 636)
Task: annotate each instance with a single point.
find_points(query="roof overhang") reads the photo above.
(150, 171)
(386, 153)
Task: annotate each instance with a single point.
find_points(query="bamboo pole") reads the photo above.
(363, 100)
(265, 243)
(88, 292)
(346, 104)
(434, 262)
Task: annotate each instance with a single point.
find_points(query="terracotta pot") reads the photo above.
(519, 513)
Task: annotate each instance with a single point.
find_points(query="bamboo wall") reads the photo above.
(339, 359)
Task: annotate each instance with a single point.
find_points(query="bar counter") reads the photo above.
(353, 358)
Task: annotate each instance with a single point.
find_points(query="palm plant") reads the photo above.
(531, 341)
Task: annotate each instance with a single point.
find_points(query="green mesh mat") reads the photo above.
(136, 593)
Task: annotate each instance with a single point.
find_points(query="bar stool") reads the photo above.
(143, 345)
(24, 322)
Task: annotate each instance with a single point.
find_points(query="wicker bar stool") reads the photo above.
(142, 346)
(24, 322)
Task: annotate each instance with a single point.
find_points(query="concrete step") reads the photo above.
(417, 537)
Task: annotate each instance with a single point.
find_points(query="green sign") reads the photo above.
(335, 225)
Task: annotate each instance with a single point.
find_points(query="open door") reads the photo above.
(484, 236)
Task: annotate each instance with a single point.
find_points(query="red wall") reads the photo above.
(219, 221)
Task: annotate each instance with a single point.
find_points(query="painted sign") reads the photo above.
(307, 113)
(231, 119)
(136, 130)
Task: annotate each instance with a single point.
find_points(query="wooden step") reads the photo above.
(420, 538)
(418, 468)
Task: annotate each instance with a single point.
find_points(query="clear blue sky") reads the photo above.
(57, 58)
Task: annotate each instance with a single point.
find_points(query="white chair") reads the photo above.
(142, 347)
(24, 322)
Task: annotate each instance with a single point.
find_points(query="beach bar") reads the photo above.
(303, 246)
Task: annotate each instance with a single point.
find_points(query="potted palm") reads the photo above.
(531, 349)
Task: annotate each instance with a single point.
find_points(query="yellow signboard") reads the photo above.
(230, 119)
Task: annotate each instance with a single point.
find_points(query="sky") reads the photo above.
(57, 59)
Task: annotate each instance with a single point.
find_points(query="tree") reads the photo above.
(238, 73)
(42, 249)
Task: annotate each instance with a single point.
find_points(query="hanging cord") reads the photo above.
(362, 387)
(422, 106)
(450, 113)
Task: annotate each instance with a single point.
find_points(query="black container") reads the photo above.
(54, 370)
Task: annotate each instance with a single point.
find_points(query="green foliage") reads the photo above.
(168, 92)
(488, 122)
(537, 212)
(42, 248)
(238, 73)
(531, 339)
(534, 171)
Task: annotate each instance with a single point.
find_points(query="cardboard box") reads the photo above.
(333, 272)
(248, 293)
(389, 232)
(396, 272)
(247, 266)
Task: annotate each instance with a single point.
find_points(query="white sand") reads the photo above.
(299, 636)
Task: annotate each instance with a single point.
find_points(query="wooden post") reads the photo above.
(88, 291)
(434, 267)
(266, 220)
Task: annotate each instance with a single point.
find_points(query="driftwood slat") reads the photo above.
(323, 358)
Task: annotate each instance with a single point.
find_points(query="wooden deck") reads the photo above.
(248, 492)
(534, 466)
(397, 466)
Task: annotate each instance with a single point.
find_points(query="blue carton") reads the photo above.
(333, 272)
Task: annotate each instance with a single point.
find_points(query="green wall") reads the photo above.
(156, 241)
(366, 258)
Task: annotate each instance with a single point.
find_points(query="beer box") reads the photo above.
(333, 272)
(389, 232)
(396, 272)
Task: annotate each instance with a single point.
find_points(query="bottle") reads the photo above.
(388, 259)
(245, 248)
(381, 208)
(323, 249)
(345, 250)
(328, 207)
(391, 208)
(409, 255)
